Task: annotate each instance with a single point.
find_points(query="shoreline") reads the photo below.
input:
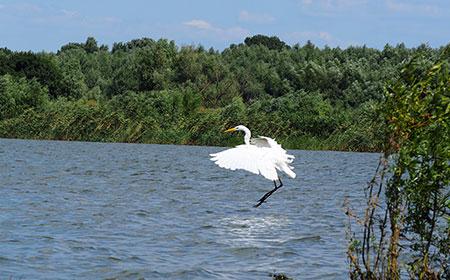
(170, 144)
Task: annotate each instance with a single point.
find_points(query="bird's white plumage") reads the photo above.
(262, 155)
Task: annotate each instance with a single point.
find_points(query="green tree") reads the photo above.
(415, 176)
(72, 75)
(18, 95)
(154, 65)
(272, 43)
(41, 67)
(91, 45)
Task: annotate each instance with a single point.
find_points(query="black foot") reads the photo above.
(263, 199)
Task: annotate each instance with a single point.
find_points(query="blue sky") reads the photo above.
(49, 24)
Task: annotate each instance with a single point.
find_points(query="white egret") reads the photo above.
(261, 155)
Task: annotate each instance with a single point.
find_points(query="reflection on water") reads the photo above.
(251, 231)
(91, 210)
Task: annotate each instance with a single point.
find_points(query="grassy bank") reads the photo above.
(120, 121)
(149, 91)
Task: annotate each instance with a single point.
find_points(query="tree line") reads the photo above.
(153, 91)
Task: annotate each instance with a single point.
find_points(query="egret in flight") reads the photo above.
(261, 155)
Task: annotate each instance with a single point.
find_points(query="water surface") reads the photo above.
(74, 210)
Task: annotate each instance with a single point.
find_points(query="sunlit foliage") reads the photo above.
(304, 96)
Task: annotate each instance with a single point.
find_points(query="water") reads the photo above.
(72, 210)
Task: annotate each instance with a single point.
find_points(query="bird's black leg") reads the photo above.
(263, 199)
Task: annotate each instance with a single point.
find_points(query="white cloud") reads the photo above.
(325, 36)
(255, 18)
(210, 30)
(46, 15)
(110, 20)
(332, 4)
(302, 36)
(411, 8)
(199, 24)
(332, 7)
(69, 14)
(27, 8)
(235, 32)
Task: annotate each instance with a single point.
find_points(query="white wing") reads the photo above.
(247, 157)
(265, 156)
(282, 159)
(261, 142)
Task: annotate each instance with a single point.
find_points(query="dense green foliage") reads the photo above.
(156, 92)
(412, 227)
(418, 110)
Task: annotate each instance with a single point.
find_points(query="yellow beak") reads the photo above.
(230, 130)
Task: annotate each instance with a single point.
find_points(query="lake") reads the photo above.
(75, 210)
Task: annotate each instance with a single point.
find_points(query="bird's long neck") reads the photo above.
(247, 135)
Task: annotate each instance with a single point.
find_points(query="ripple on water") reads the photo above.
(4, 259)
(311, 238)
(121, 211)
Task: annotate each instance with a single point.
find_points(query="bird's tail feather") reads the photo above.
(288, 170)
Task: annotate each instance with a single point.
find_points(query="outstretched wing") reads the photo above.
(258, 160)
(261, 142)
(280, 155)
